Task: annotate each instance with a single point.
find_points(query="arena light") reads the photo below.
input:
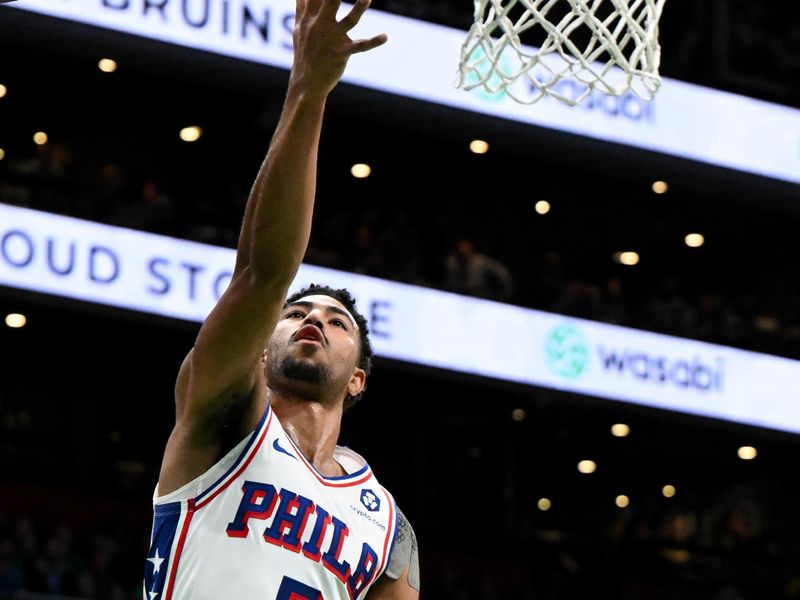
(627, 258)
(107, 65)
(2, 154)
(587, 466)
(660, 187)
(694, 240)
(16, 320)
(360, 171)
(518, 414)
(3, 90)
(620, 430)
(668, 491)
(40, 138)
(191, 133)
(622, 501)
(542, 207)
(676, 555)
(544, 504)
(747, 453)
(479, 146)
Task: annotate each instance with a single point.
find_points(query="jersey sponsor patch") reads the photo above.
(370, 500)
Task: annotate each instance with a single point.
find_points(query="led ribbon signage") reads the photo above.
(180, 279)
(421, 61)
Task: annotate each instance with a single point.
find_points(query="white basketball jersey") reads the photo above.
(263, 524)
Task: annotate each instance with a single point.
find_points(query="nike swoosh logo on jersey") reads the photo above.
(277, 447)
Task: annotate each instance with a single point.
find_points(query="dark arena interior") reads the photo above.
(485, 469)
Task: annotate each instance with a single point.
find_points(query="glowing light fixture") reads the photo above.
(191, 134)
(620, 430)
(660, 187)
(479, 146)
(627, 258)
(107, 65)
(16, 320)
(360, 171)
(747, 453)
(694, 240)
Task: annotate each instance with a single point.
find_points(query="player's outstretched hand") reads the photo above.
(322, 45)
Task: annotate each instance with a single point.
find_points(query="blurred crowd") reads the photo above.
(391, 243)
(42, 557)
(728, 548)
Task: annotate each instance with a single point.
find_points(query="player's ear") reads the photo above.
(264, 357)
(358, 380)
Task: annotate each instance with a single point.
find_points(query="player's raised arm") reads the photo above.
(223, 367)
(321, 50)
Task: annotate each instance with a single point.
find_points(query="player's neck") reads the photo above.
(313, 426)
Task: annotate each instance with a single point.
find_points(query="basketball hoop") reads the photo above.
(565, 49)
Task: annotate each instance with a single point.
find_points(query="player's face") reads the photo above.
(315, 347)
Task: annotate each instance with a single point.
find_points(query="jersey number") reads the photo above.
(291, 589)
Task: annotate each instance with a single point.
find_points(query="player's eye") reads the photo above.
(294, 313)
(339, 323)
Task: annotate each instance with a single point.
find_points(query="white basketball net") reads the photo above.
(605, 45)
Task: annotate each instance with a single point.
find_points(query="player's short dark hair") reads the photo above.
(343, 296)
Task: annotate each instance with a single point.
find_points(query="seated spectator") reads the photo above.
(468, 272)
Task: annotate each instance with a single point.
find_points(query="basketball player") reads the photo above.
(255, 501)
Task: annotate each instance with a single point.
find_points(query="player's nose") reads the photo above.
(314, 317)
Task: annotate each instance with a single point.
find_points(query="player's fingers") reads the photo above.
(354, 16)
(365, 45)
(313, 6)
(329, 7)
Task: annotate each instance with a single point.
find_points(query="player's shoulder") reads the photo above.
(404, 554)
(404, 551)
(350, 460)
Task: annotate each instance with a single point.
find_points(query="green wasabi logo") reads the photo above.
(567, 351)
(485, 72)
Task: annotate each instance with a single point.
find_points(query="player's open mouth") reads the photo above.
(310, 334)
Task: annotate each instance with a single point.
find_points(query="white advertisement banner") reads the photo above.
(421, 61)
(176, 278)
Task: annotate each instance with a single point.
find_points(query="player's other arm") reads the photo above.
(393, 589)
(222, 369)
(400, 581)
